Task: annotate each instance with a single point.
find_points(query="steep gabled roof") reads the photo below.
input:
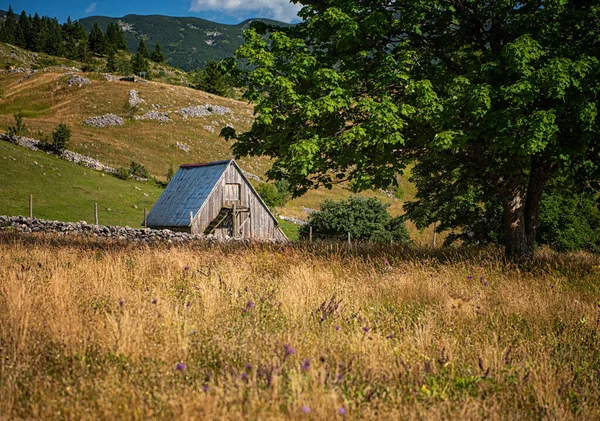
(188, 190)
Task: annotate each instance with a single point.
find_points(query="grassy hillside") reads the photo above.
(187, 42)
(67, 192)
(96, 330)
(45, 100)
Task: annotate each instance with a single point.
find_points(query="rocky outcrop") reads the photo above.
(204, 110)
(155, 115)
(77, 80)
(134, 98)
(108, 120)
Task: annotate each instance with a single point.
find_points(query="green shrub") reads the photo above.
(269, 194)
(138, 170)
(19, 128)
(366, 219)
(60, 140)
(123, 173)
(397, 229)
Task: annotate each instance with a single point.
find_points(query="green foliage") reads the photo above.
(274, 194)
(269, 194)
(365, 219)
(157, 55)
(111, 60)
(170, 173)
(397, 229)
(97, 41)
(142, 50)
(359, 90)
(19, 129)
(60, 140)
(124, 173)
(139, 64)
(138, 170)
(211, 79)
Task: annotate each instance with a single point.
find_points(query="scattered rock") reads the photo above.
(74, 157)
(183, 147)
(293, 220)
(309, 211)
(134, 79)
(134, 98)
(155, 115)
(204, 110)
(107, 120)
(77, 80)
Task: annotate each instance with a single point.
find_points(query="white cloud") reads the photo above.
(91, 8)
(281, 10)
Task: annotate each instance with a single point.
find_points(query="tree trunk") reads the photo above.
(521, 201)
(518, 246)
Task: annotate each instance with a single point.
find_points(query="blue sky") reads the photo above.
(224, 11)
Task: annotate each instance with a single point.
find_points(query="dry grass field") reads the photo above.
(93, 329)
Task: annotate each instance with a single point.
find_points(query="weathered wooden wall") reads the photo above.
(261, 225)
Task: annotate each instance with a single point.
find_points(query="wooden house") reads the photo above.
(214, 199)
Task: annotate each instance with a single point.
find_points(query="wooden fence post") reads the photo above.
(434, 233)
(145, 219)
(349, 240)
(96, 213)
(31, 206)
(310, 234)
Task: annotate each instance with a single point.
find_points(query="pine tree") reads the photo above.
(121, 41)
(157, 55)
(37, 33)
(97, 40)
(10, 28)
(54, 42)
(142, 50)
(139, 62)
(111, 59)
(82, 50)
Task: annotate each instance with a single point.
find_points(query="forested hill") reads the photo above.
(187, 42)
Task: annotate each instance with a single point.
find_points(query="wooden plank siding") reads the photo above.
(261, 224)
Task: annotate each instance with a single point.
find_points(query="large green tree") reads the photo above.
(485, 97)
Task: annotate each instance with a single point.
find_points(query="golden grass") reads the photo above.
(93, 329)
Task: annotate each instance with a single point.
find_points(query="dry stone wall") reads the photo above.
(27, 225)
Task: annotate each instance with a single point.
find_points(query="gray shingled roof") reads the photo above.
(186, 193)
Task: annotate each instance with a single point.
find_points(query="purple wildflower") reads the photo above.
(306, 409)
(342, 411)
(205, 388)
(250, 304)
(485, 284)
(154, 300)
(244, 376)
(445, 285)
(194, 332)
(340, 377)
(188, 304)
(288, 350)
(366, 329)
(180, 366)
(387, 263)
(337, 328)
(470, 277)
(390, 336)
(121, 302)
(186, 268)
(305, 365)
